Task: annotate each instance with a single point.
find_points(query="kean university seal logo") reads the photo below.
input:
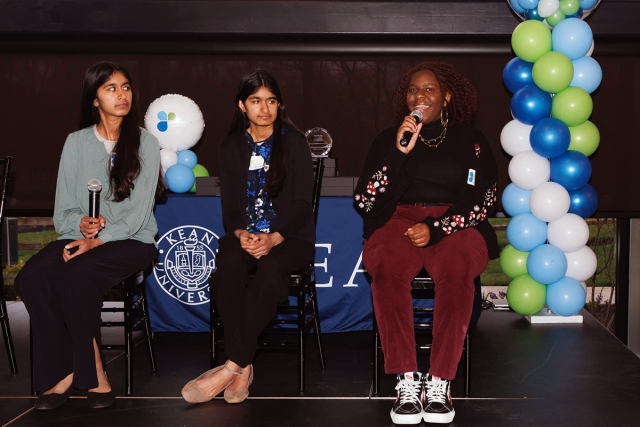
(187, 259)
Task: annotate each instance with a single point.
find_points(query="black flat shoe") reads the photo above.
(52, 400)
(101, 400)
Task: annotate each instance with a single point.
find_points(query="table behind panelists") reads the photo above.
(189, 227)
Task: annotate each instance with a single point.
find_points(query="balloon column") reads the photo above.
(550, 139)
(178, 124)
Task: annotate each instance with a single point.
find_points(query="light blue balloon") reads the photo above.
(525, 232)
(547, 264)
(572, 37)
(179, 178)
(588, 4)
(528, 4)
(187, 158)
(516, 6)
(515, 200)
(587, 74)
(566, 297)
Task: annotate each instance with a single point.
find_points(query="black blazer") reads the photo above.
(292, 205)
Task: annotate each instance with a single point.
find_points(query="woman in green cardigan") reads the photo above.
(62, 286)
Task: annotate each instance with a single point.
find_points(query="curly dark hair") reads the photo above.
(463, 95)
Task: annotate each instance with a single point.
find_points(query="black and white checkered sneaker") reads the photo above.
(438, 407)
(407, 408)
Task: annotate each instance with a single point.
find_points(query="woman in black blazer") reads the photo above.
(266, 181)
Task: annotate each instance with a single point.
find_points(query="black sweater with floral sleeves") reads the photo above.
(462, 165)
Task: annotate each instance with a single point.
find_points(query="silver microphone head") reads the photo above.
(417, 114)
(94, 185)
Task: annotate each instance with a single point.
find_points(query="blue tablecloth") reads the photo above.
(189, 228)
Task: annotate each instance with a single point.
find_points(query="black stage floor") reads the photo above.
(521, 375)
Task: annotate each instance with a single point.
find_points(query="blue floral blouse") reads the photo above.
(260, 211)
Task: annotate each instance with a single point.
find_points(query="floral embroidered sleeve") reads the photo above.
(382, 173)
(478, 199)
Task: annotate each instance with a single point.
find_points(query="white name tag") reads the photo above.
(257, 162)
(471, 178)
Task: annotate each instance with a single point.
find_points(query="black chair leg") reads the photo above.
(213, 324)
(301, 334)
(316, 323)
(6, 334)
(142, 295)
(467, 364)
(376, 356)
(33, 392)
(128, 338)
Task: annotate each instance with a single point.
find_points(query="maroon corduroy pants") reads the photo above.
(393, 262)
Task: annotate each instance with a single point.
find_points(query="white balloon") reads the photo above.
(176, 121)
(547, 8)
(549, 201)
(527, 170)
(569, 233)
(168, 158)
(515, 137)
(581, 264)
(593, 45)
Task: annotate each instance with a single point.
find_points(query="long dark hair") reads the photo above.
(250, 84)
(463, 101)
(127, 166)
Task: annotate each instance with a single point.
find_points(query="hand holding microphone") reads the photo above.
(92, 224)
(408, 132)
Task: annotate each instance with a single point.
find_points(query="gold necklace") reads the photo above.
(433, 143)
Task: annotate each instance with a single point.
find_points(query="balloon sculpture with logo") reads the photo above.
(550, 139)
(178, 124)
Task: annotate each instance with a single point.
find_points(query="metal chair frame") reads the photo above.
(424, 287)
(4, 314)
(304, 284)
(134, 286)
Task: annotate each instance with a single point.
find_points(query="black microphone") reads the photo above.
(94, 187)
(417, 114)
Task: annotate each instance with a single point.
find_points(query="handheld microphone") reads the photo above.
(417, 115)
(94, 187)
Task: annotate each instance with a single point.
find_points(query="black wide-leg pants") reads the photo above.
(246, 306)
(64, 301)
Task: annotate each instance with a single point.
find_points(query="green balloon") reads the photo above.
(573, 106)
(555, 19)
(553, 72)
(530, 40)
(585, 138)
(569, 7)
(198, 170)
(513, 262)
(525, 295)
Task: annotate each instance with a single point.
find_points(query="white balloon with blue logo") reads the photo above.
(178, 124)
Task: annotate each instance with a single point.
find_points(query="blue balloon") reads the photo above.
(588, 4)
(179, 178)
(533, 14)
(578, 14)
(572, 37)
(517, 74)
(528, 4)
(515, 200)
(525, 232)
(516, 6)
(550, 137)
(547, 264)
(584, 201)
(587, 74)
(187, 158)
(566, 297)
(530, 104)
(572, 170)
